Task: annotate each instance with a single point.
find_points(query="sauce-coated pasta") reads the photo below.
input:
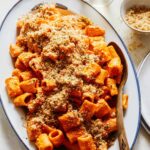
(67, 78)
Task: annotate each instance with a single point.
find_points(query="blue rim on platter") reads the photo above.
(135, 74)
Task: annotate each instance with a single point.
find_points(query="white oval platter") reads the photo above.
(16, 116)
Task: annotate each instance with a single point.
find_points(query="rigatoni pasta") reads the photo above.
(56, 137)
(86, 142)
(67, 78)
(13, 86)
(43, 142)
(22, 100)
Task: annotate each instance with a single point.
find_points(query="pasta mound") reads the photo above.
(67, 78)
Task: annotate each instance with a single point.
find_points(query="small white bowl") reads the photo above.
(127, 4)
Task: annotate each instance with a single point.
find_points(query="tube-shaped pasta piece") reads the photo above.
(70, 146)
(69, 121)
(91, 70)
(20, 24)
(97, 39)
(111, 84)
(96, 46)
(115, 67)
(34, 128)
(92, 30)
(26, 75)
(23, 99)
(105, 55)
(100, 79)
(12, 86)
(105, 93)
(25, 57)
(88, 109)
(88, 96)
(16, 72)
(29, 86)
(38, 101)
(73, 135)
(19, 64)
(15, 50)
(48, 85)
(110, 126)
(56, 137)
(47, 129)
(113, 51)
(102, 108)
(35, 64)
(86, 142)
(43, 142)
(125, 101)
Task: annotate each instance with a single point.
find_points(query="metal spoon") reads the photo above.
(123, 142)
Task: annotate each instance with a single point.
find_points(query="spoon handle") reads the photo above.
(123, 143)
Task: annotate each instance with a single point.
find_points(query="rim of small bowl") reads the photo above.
(122, 16)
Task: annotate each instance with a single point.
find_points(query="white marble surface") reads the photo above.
(138, 46)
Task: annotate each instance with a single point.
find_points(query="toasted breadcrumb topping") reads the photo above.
(139, 17)
(61, 45)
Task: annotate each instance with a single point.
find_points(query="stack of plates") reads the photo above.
(144, 79)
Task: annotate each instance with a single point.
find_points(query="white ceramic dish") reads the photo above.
(7, 36)
(127, 4)
(144, 79)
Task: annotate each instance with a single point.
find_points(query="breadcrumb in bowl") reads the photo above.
(136, 15)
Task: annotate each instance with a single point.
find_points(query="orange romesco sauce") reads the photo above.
(72, 76)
